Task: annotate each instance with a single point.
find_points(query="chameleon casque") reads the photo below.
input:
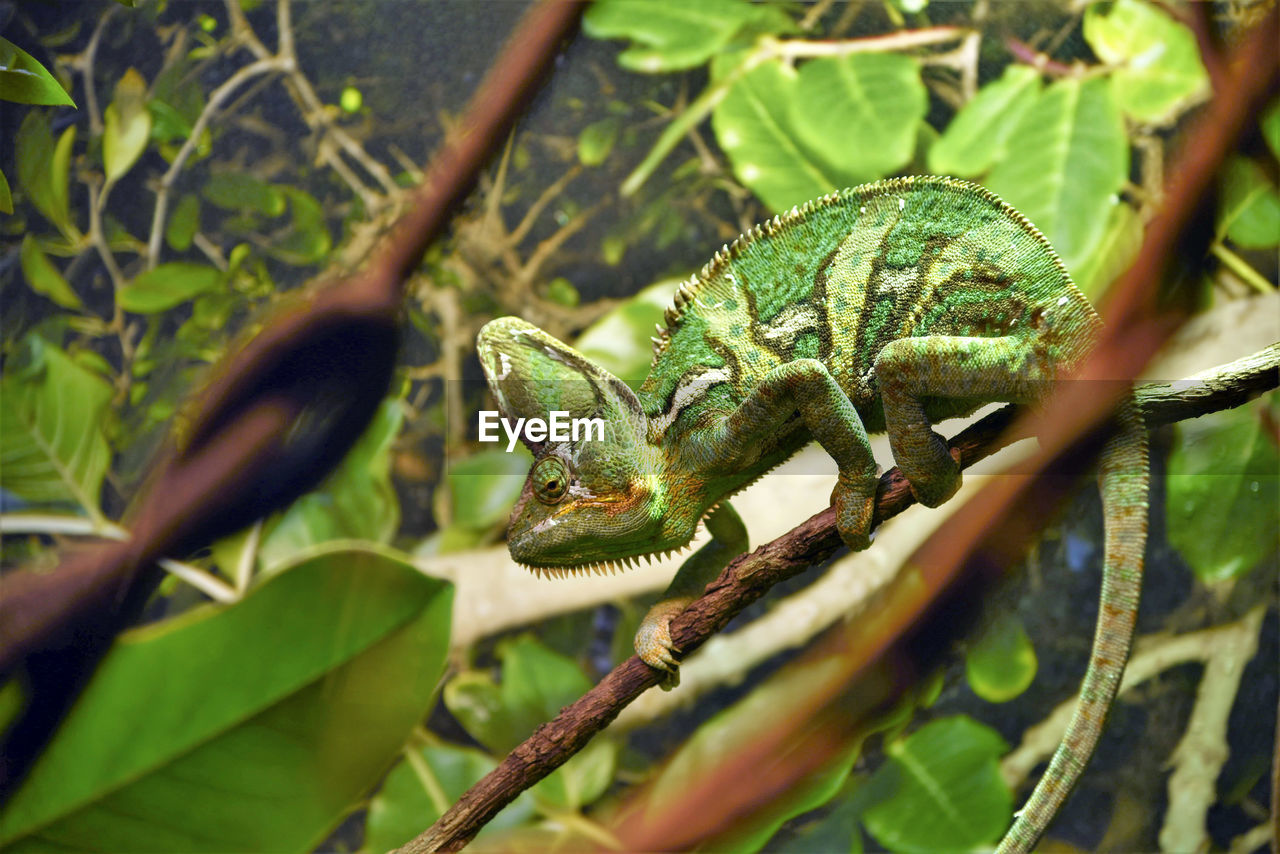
(885, 307)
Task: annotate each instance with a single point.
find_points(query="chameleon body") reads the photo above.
(881, 308)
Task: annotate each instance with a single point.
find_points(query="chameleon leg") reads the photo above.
(910, 370)
(801, 387)
(653, 639)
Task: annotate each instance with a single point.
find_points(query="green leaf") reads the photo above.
(250, 727)
(1071, 159)
(752, 123)
(52, 446)
(620, 340)
(1249, 206)
(874, 98)
(669, 35)
(1114, 252)
(748, 720)
(417, 792)
(1001, 663)
(484, 486)
(355, 502)
(236, 191)
(1271, 127)
(597, 139)
(167, 286)
(43, 167)
(979, 134)
(44, 277)
(308, 240)
(941, 789)
(183, 223)
(562, 292)
(1223, 490)
(26, 81)
(126, 126)
(6, 199)
(1159, 71)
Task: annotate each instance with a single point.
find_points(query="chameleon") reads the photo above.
(881, 308)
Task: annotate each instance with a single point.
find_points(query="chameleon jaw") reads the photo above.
(611, 566)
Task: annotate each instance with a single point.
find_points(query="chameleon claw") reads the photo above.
(654, 644)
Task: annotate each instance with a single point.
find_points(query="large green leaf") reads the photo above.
(168, 285)
(250, 727)
(1113, 253)
(620, 341)
(26, 81)
(753, 125)
(126, 126)
(1070, 160)
(419, 789)
(355, 502)
(860, 112)
(668, 35)
(52, 447)
(980, 133)
(941, 789)
(1223, 490)
(1159, 69)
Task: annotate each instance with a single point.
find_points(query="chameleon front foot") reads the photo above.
(654, 644)
(855, 502)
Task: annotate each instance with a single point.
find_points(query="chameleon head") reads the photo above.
(596, 495)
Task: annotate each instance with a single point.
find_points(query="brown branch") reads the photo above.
(750, 576)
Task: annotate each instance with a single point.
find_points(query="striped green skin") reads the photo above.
(842, 276)
(929, 288)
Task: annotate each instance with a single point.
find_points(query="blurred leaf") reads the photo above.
(1001, 662)
(484, 486)
(53, 449)
(126, 126)
(44, 277)
(43, 167)
(6, 199)
(1114, 252)
(236, 191)
(308, 240)
(979, 134)
(1271, 127)
(1223, 490)
(562, 292)
(183, 223)
(1159, 69)
(752, 123)
(874, 98)
(167, 286)
(620, 340)
(1071, 159)
(355, 502)
(249, 727)
(752, 718)
(597, 139)
(1249, 206)
(26, 81)
(669, 35)
(404, 804)
(941, 789)
(583, 779)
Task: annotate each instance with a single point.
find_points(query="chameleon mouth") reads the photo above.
(612, 566)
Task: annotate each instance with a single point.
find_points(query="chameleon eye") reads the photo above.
(550, 478)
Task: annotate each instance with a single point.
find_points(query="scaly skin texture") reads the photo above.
(881, 308)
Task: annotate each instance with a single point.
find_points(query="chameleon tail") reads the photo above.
(1122, 479)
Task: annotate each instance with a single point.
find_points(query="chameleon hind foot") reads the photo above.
(938, 485)
(653, 641)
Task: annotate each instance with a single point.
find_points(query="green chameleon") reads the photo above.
(884, 307)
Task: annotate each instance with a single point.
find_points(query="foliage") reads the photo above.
(144, 239)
